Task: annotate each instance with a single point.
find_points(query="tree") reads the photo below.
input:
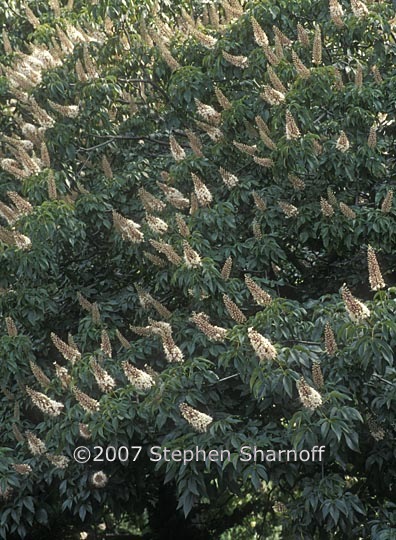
(197, 252)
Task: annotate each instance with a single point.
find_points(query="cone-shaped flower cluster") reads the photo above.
(208, 113)
(292, 131)
(342, 143)
(203, 194)
(260, 36)
(191, 257)
(317, 375)
(69, 353)
(356, 310)
(128, 229)
(375, 277)
(327, 209)
(138, 378)
(226, 270)
(233, 310)
(39, 374)
(386, 206)
(105, 381)
(262, 346)
(347, 211)
(198, 421)
(63, 375)
(177, 151)
(36, 445)
(228, 178)
(260, 295)
(309, 397)
(44, 403)
(238, 61)
(317, 47)
(330, 341)
(87, 403)
(214, 333)
(171, 350)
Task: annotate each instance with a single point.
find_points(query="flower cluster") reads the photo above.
(167, 250)
(375, 276)
(69, 353)
(70, 111)
(11, 327)
(99, 479)
(356, 310)
(228, 178)
(221, 98)
(39, 374)
(317, 47)
(327, 209)
(84, 431)
(149, 202)
(336, 13)
(296, 182)
(44, 403)
(22, 468)
(138, 378)
(302, 35)
(342, 143)
(309, 397)
(198, 421)
(272, 96)
(301, 69)
(63, 375)
(347, 211)
(61, 462)
(36, 445)
(194, 142)
(260, 295)
(259, 202)
(372, 138)
(174, 196)
(317, 375)
(233, 310)
(227, 267)
(128, 229)
(263, 162)
(376, 431)
(238, 61)
(262, 346)
(386, 205)
(208, 113)
(87, 403)
(214, 133)
(105, 381)
(214, 333)
(292, 131)
(182, 226)
(245, 148)
(330, 342)
(288, 209)
(203, 194)
(105, 344)
(359, 8)
(259, 35)
(191, 257)
(171, 350)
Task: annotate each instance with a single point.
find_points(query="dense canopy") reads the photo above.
(197, 250)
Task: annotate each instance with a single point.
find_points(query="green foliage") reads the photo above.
(123, 79)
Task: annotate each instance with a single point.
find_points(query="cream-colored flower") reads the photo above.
(262, 346)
